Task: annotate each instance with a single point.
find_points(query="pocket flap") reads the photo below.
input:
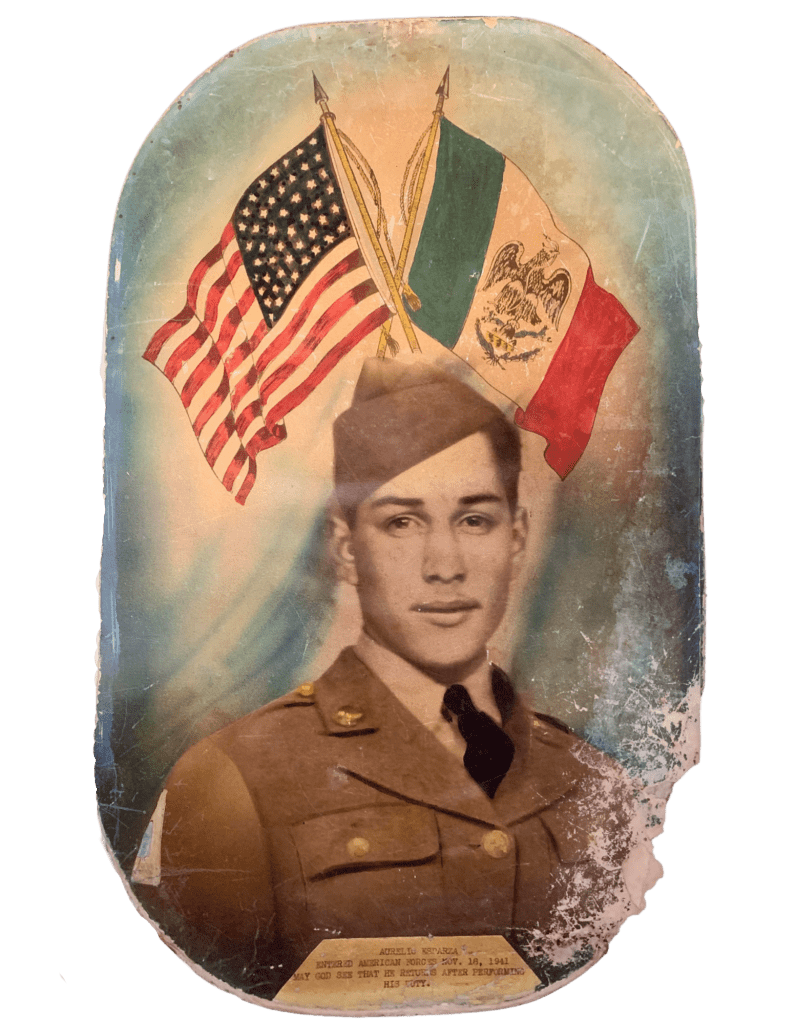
(368, 837)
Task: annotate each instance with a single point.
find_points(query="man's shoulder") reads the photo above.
(541, 729)
(274, 723)
(289, 721)
(556, 734)
(592, 774)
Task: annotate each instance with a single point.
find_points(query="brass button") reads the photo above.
(348, 716)
(306, 690)
(358, 847)
(496, 844)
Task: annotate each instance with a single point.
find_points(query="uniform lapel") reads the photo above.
(384, 745)
(543, 768)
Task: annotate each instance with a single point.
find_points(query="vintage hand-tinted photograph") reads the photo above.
(402, 574)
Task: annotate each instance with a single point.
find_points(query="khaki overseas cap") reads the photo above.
(400, 415)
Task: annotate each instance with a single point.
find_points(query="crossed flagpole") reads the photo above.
(393, 276)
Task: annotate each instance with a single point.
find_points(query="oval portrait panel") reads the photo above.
(402, 571)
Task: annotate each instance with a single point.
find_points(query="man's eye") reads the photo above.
(401, 525)
(476, 523)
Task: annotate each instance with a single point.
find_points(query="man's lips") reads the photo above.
(446, 607)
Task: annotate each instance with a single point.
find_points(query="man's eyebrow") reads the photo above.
(391, 499)
(486, 497)
(479, 499)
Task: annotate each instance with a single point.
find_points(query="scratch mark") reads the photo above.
(299, 615)
(641, 563)
(642, 239)
(502, 99)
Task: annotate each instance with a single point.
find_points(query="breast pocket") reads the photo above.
(371, 871)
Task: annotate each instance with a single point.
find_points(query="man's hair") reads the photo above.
(504, 438)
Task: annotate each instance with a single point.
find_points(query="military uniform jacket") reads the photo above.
(333, 812)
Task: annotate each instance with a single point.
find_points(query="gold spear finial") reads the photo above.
(328, 118)
(442, 89)
(320, 96)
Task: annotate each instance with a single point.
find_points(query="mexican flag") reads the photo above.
(493, 279)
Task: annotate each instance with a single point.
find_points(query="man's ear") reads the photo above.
(342, 547)
(520, 531)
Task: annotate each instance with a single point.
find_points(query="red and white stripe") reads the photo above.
(236, 378)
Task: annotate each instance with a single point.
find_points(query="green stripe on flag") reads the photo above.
(456, 232)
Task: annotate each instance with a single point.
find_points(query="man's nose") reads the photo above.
(442, 558)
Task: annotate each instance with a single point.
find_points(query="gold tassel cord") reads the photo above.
(408, 186)
(413, 183)
(416, 171)
(328, 119)
(369, 180)
(405, 193)
(387, 343)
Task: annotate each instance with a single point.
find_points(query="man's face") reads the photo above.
(432, 555)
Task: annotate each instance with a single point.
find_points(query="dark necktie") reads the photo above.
(489, 750)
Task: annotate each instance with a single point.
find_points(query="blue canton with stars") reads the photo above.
(288, 219)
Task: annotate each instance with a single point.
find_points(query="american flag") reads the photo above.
(272, 308)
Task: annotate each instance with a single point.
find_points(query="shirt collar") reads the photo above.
(421, 695)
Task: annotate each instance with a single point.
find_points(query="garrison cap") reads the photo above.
(400, 415)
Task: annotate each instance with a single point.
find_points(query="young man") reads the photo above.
(408, 791)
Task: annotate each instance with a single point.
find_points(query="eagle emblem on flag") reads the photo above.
(534, 295)
(530, 294)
